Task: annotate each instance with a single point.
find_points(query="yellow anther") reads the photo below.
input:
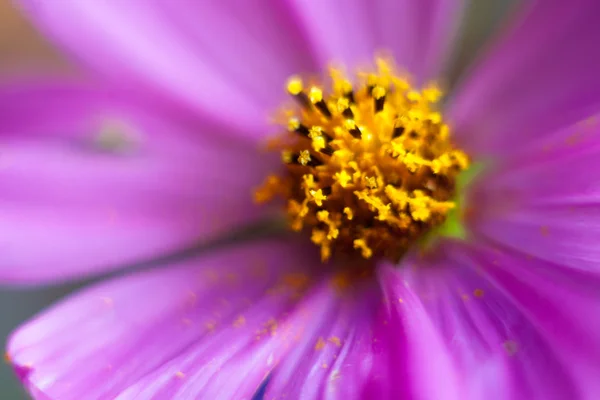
(415, 115)
(384, 212)
(345, 86)
(372, 80)
(413, 96)
(461, 159)
(318, 236)
(309, 181)
(304, 157)
(350, 124)
(287, 157)
(420, 213)
(318, 197)
(435, 117)
(333, 232)
(378, 92)
(366, 134)
(315, 131)
(343, 178)
(398, 197)
(295, 86)
(343, 104)
(318, 143)
(371, 182)
(293, 124)
(349, 213)
(414, 162)
(323, 216)
(398, 149)
(365, 250)
(316, 95)
(432, 94)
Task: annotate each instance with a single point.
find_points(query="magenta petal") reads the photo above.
(540, 76)
(546, 203)
(419, 355)
(335, 354)
(562, 304)
(416, 33)
(341, 33)
(188, 51)
(216, 324)
(495, 346)
(69, 208)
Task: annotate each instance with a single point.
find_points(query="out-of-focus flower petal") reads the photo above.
(239, 362)
(366, 346)
(228, 59)
(546, 203)
(90, 182)
(338, 31)
(417, 33)
(495, 341)
(541, 75)
(216, 325)
(421, 365)
(337, 355)
(563, 304)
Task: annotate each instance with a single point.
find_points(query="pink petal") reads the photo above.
(541, 75)
(216, 324)
(546, 203)
(496, 347)
(419, 356)
(335, 355)
(338, 31)
(417, 33)
(562, 303)
(68, 208)
(226, 59)
(364, 346)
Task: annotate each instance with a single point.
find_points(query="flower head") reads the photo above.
(369, 167)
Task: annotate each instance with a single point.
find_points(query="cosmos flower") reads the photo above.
(375, 293)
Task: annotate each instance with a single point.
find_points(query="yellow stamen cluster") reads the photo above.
(369, 168)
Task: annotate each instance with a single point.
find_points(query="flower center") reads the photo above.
(369, 166)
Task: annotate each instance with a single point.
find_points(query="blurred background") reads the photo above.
(23, 51)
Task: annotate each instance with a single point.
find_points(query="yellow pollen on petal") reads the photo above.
(369, 163)
(320, 344)
(239, 321)
(179, 374)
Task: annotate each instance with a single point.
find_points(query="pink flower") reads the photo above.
(159, 149)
